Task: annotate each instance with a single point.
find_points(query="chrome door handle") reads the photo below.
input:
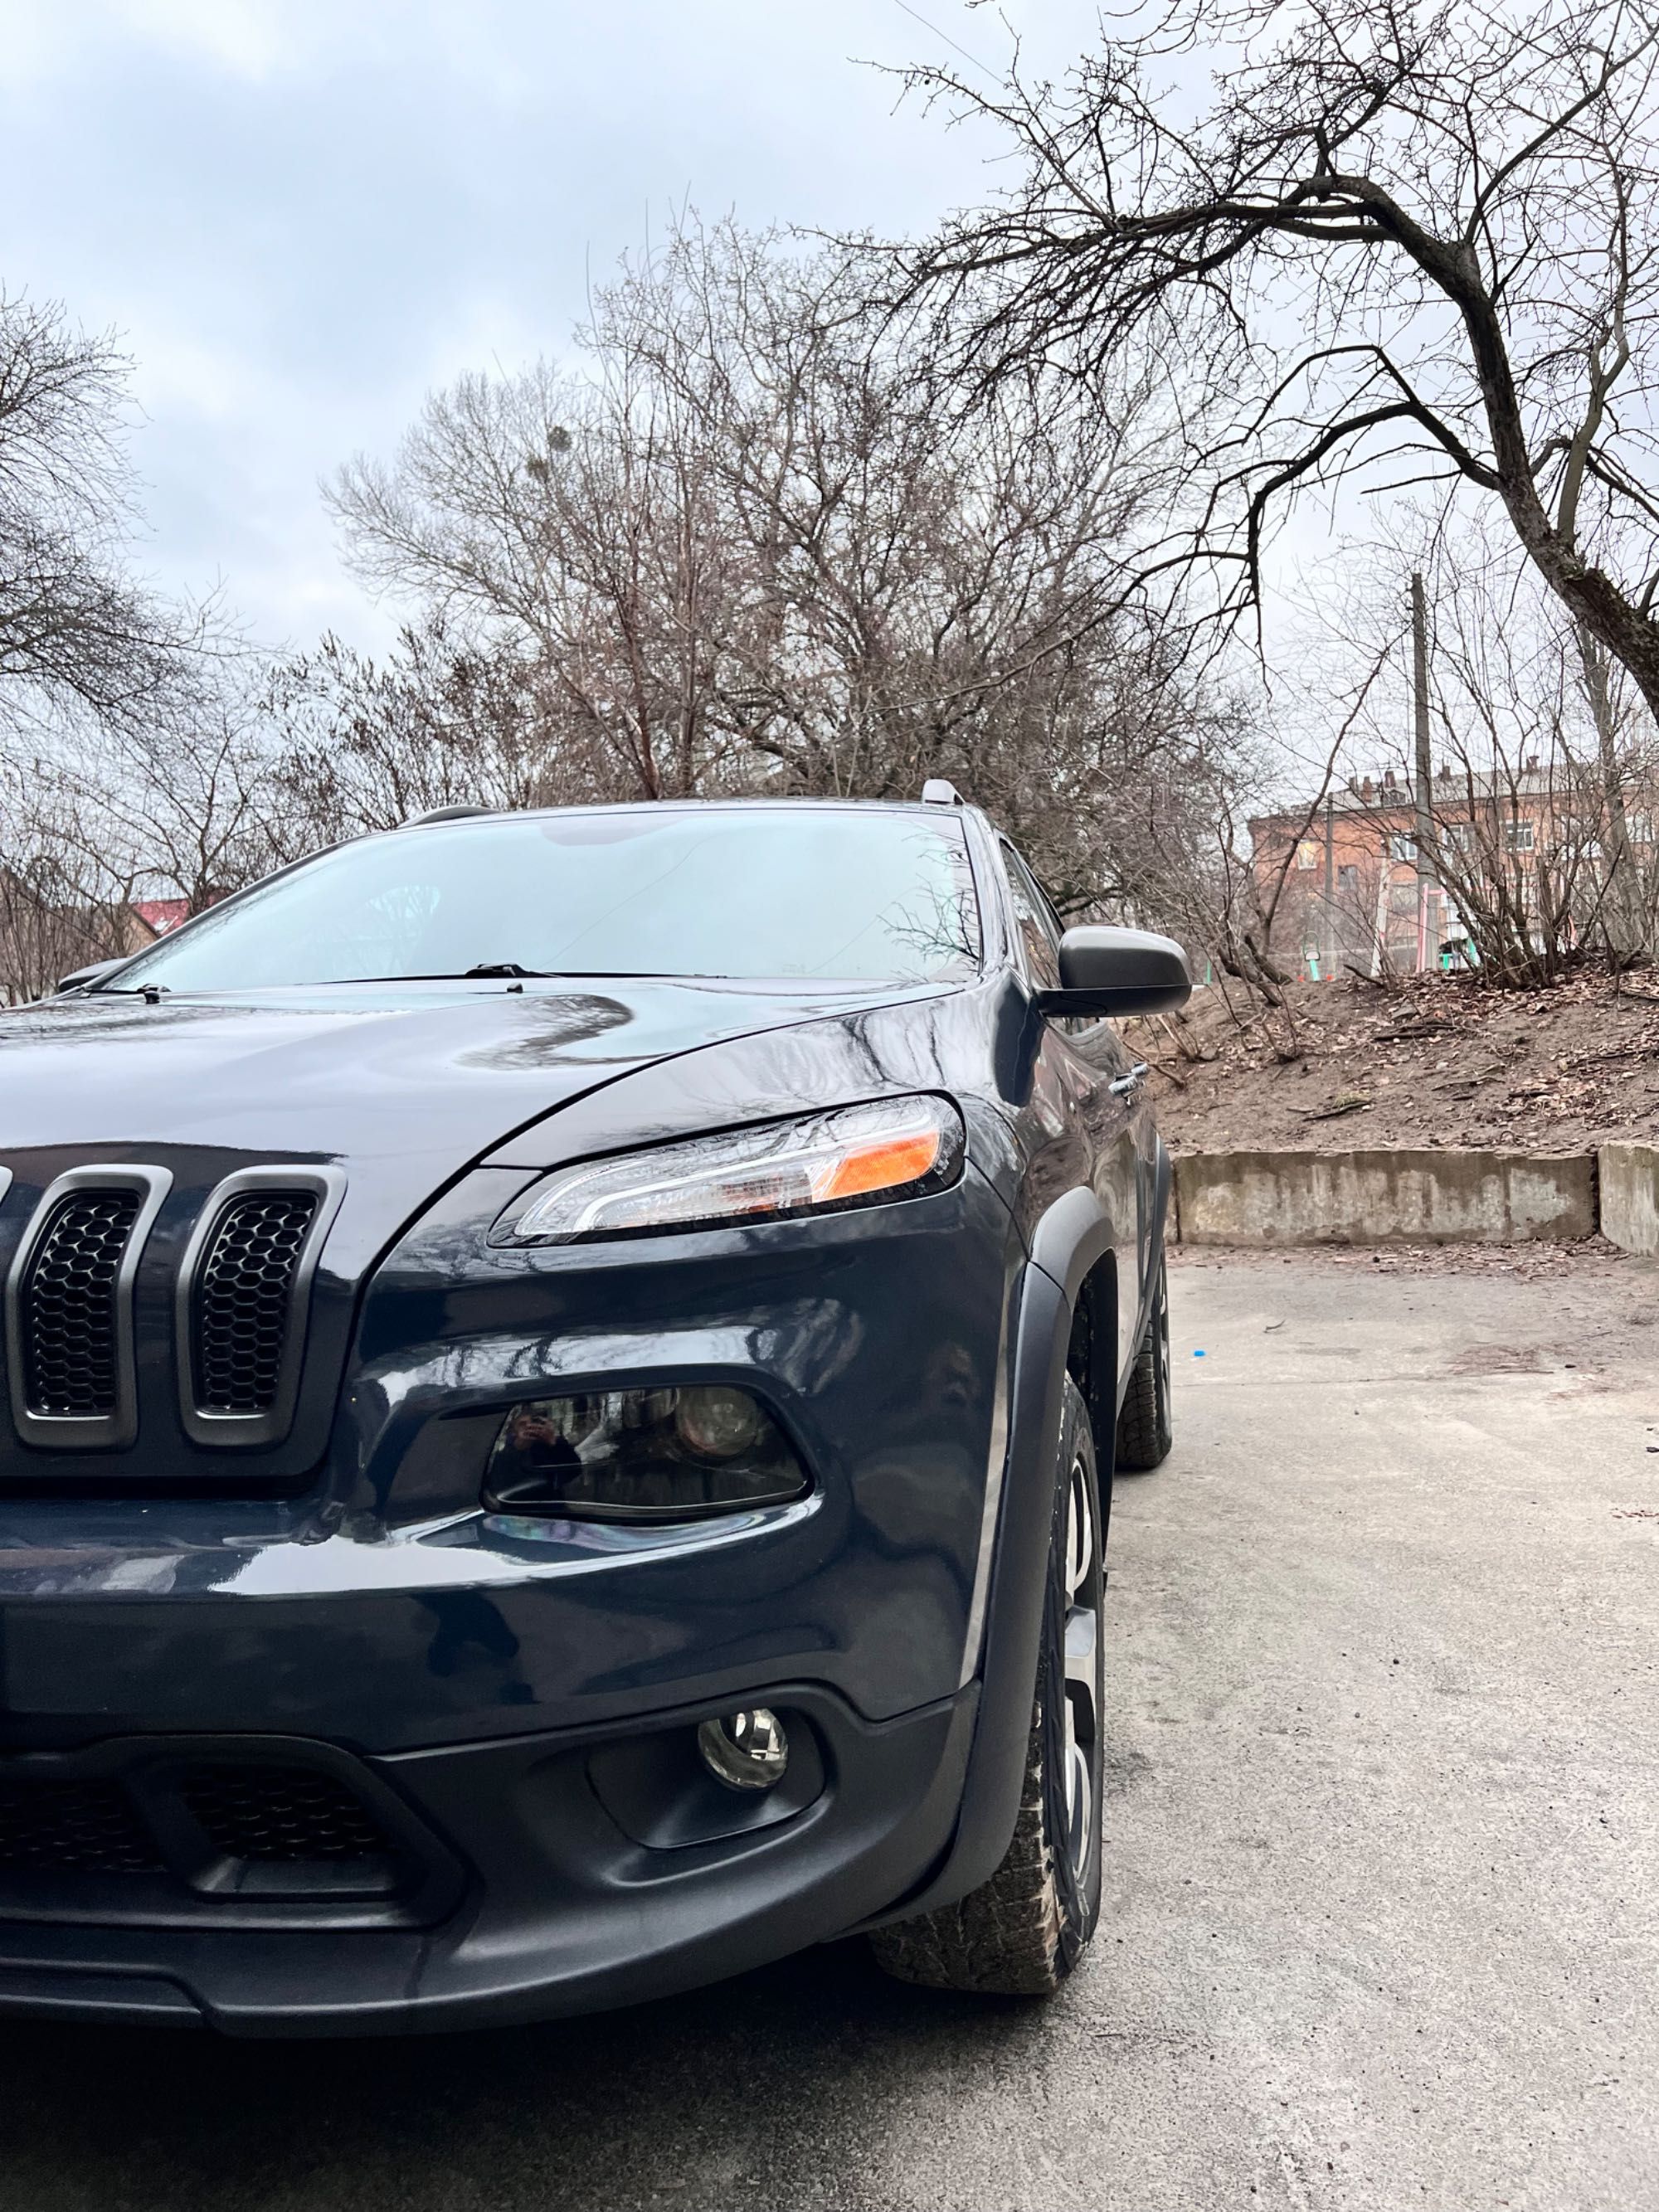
(1125, 1084)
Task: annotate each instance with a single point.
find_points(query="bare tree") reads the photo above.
(561, 521)
(62, 900)
(78, 636)
(742, 547)
(360, 745)
(1400, 241)
(181, 806)
(130, 760)
(739, 546)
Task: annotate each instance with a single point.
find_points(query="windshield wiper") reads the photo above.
(488, 969)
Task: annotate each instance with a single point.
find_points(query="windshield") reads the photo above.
(828, 895)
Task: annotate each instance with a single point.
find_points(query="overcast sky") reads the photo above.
(299, 215)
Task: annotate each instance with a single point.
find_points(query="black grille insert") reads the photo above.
(239, 1832)
(78, 1827)
(70, 1331)
(243, 1302)
(283, 1813)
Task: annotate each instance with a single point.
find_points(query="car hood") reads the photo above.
(425, 1076)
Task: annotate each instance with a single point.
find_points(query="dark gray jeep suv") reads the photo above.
(562, 1373)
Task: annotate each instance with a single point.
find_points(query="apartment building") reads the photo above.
(1342, 872)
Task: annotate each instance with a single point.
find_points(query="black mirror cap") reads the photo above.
(1119, 971)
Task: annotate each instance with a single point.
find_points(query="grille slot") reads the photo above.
(71, 1321)
(242, 1308)
(70, 1368)
(289, 1813)
(78, 1827)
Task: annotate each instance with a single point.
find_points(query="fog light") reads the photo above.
(745, 1751)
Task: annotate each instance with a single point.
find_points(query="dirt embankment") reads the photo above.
(1435, 1061)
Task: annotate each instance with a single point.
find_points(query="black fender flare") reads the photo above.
(1069, 1239)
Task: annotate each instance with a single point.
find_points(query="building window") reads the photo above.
(1348, 879)
(1457, 836)
(1640, 828)
(1519, 837)
(1306, 853)
(1402, 846)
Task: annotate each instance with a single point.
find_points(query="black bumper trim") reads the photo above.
(111, 2000)
(179, 1870)
(563, 1913)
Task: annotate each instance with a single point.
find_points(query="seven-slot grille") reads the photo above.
(69, 1323)
(242, 1301)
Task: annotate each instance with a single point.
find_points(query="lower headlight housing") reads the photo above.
(677, 1454)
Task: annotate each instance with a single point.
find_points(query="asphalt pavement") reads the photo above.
(1382, 1919)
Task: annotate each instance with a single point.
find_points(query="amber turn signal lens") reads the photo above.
(883, 1167)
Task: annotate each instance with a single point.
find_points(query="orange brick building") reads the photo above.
(1350, 895)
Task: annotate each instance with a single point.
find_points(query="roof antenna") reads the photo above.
(936, 792)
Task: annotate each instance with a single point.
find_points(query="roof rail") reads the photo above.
(936, 792)
(445, 814)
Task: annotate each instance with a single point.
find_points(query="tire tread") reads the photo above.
(1144, 1435)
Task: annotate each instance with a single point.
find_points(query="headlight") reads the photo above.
(651, 1455)
(820, 1163)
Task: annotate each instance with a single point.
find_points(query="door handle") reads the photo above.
(1125, 1084)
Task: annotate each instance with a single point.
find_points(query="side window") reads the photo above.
(1039, 930)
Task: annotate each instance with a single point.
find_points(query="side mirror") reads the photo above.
(1118, 971)
(89, 973)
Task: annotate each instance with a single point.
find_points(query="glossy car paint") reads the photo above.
(345, 1587)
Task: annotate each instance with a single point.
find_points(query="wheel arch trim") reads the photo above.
(1070, 1237)
(1068, 1240)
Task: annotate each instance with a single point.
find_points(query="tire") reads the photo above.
(1145, 1432)
(1021, 1933)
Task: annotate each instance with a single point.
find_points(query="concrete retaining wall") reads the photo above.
(1629, 1178)
(1432, 1197)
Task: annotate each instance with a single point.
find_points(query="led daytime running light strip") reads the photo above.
(835, 1159)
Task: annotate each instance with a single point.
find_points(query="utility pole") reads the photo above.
(1422, 773)
(1327, 965)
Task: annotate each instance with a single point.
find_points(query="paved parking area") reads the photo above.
(1382, 1928)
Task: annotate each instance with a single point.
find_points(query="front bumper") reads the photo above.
(546, 1904)
(527, 1692)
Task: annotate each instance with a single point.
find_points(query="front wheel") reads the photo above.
(1021, 1933)
(1144, 1431)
